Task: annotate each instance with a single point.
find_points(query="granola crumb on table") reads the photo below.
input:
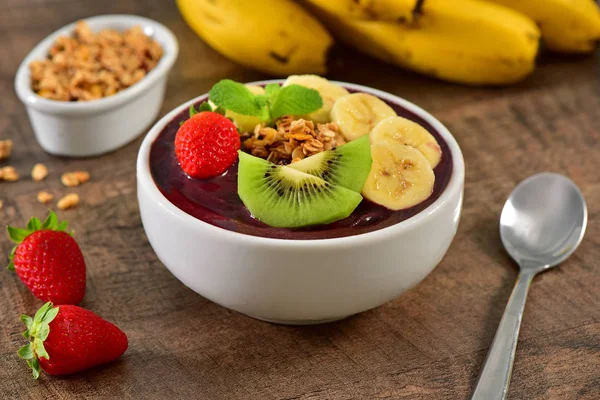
(1, 204)
(9, 174)
(88, 65)
(292, 141)
(76, 178)
(68, 201)
(5, 149)
(45, 197)
(39, 172)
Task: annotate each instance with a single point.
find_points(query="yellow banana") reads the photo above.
(381, 10)
(273, 36)
(568, 26)
(464, 41)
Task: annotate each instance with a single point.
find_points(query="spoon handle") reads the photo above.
(494, 379)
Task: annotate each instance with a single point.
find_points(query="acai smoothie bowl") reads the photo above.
(302, 200)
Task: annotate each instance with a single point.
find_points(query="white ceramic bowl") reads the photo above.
(300, 281)
(80, 129)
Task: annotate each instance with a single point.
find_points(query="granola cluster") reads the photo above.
(293, 140)
(88, 65)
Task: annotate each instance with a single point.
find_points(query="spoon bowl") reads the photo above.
(543, 221)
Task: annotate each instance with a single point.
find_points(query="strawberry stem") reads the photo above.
(38, 329)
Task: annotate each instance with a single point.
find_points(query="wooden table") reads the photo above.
(428, 344)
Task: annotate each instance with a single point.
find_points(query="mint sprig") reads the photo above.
(273, 104)
(235, 97)
(295, 100)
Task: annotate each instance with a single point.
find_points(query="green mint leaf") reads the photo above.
(17, 235)
(266, 115)
(205, 106)
(25, 352)
(262, 100)
(272, 89)
(295, 100)
(235, 97)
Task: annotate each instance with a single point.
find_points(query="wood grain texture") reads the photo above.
(428, 344)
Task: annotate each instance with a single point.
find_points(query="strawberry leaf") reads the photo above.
(40, 351)
(192, 111)
(51, 221)
(26, 319)
(50, 315)
(220, 110)
(43, 332)
(25, 352)
(34, 224)
(39, 317)
(34, 364)
(62, 226)
(17, 235)
(38, 329)
(205, 106)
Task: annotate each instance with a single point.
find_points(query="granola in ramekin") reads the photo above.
(89, 66)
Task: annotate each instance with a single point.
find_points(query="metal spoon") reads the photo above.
(542, 223)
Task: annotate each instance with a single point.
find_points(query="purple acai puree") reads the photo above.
(215, 200)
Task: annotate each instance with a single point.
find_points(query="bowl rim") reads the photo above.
(454, 187)
(167, 40)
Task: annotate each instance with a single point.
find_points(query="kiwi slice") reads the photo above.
(283, 197)
(348, 165)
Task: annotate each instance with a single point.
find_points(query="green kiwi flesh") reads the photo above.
(347, 166)
(283, 197)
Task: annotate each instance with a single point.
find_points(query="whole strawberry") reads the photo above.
(206, 145)
(48, 261)
(68, 339)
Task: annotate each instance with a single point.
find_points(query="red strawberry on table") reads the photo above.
(206, 145)
(68, 339)
(48, 261)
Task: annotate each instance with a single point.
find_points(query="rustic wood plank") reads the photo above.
(428, 344)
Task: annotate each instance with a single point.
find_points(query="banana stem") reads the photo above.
(418, 10)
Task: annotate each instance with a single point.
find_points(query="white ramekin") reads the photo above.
(80, 129)
(300, 281)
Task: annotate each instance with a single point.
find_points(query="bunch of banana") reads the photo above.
(568, 26)
(464, 41)
(278, 37)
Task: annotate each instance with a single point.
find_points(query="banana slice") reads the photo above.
(400, 177)
(357, 114)
(409, 133)
(329, 92)
(245, 123)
